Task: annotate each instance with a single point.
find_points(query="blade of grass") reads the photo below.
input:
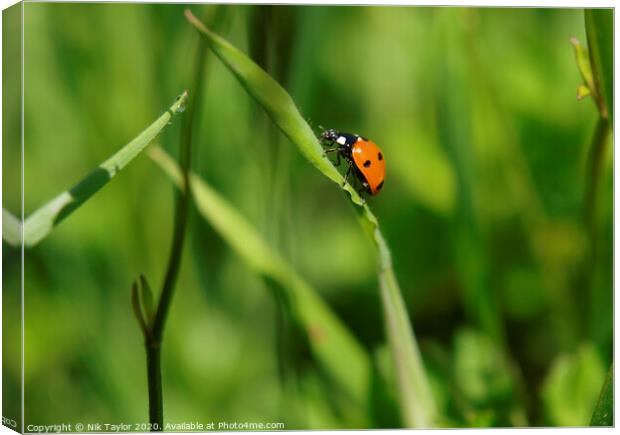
(599, 29)
(42, 221)
(603, 414)
(454, 98)
(329, 338)
(417, 405)
(600, 33)
(275, 100)
(11, 229)
(155, 333)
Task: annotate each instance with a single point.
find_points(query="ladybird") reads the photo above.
(364, 157)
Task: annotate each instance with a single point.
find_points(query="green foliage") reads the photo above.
(142, 303)
(603, 414)
(572, 387)
(585, 69)
(275, 100)
(328, 337)
(600, 28)
(138, 309)
(454, 114)
(146, 296)
(484, 380)
(488, 155)
(416, 401)
(41, 222)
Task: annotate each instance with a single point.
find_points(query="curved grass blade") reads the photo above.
(11, 229)
(275, 100)
(42, 221)
(417, 407)
(329, 338)
(603, 414)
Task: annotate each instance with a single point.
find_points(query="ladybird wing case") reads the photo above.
(368, 158)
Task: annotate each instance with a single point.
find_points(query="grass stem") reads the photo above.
(595, 165)
(153, 342)
(153, 369)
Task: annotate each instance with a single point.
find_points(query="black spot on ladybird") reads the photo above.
(380, 186)
(367, 164)
(380, 156)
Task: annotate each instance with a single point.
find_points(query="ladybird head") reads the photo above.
(329, 135)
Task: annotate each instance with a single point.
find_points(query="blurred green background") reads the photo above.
(510, 294)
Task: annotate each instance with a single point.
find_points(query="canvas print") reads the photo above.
(227, 217)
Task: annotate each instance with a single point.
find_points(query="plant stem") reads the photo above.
(153, 368)
(154, 337)
(584, 279)
(597, 154)
(417, 404)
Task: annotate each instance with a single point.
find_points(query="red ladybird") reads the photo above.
(365, 158)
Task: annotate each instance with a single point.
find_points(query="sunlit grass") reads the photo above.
(40, 223)
(417, 406)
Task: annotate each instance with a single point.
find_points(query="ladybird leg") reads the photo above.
(346, 177)
(338, 159)
(331, 150)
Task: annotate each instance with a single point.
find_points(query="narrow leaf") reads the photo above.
(417, 405)
(600, 32)
(583, 63)
(329, 338)
(11, 228)
(147, 298)
(275, 100)
(41, 222)
(604, 412)
(135, 303)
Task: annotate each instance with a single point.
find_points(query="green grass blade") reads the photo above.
(42, 221)
(603, 414)
(600, 32)
(455, 115)
(417, 405)
(11, 229)
(277, 103)
(329, 338)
